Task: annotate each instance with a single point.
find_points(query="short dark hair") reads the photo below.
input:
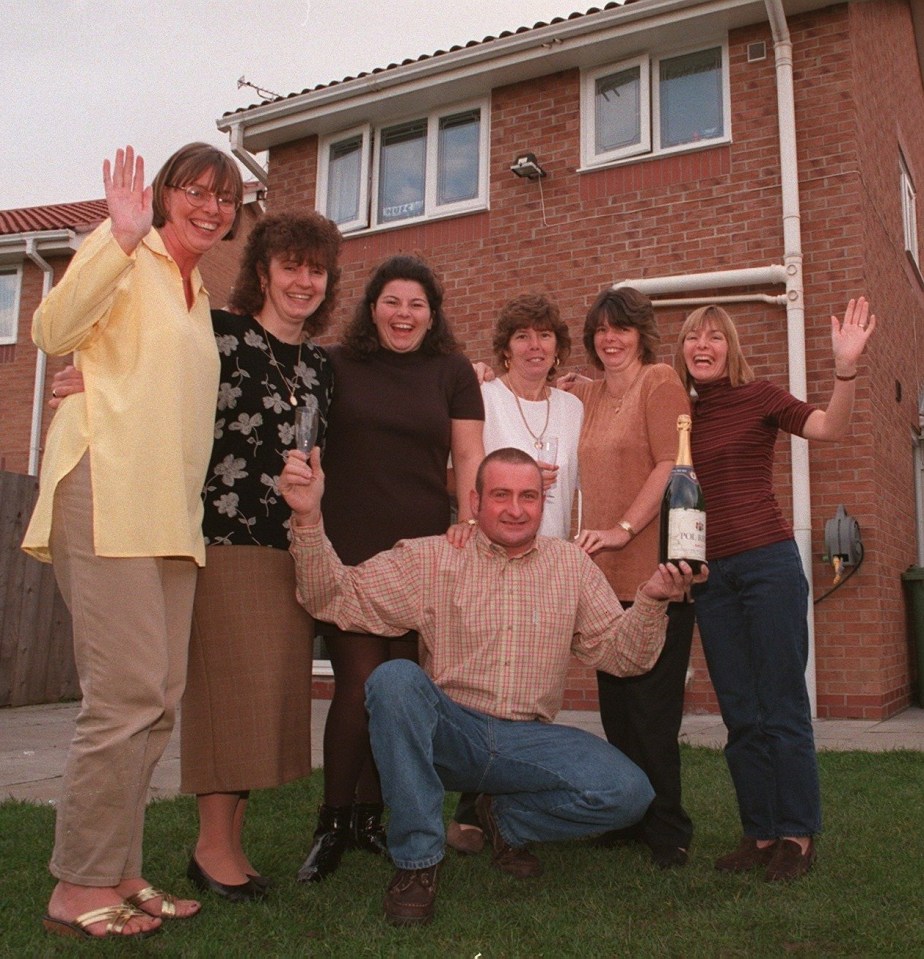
(186, 166)
(531, 311)
(626, 308)
(305, 238)
(361, 338)
(506, 454)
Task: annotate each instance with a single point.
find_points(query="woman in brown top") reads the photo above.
(625, 455)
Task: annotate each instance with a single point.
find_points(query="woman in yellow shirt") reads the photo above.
(120, 514)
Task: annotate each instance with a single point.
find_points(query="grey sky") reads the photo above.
(79, 78)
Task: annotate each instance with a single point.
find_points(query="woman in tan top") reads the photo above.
(625, 455)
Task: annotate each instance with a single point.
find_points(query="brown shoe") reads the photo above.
(517, 861)
(746, 857)
(410, 898)
(468, 840)
(789, 861)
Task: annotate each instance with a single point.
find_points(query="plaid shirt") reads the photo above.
(495, 633)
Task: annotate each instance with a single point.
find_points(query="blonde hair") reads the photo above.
(737, 367)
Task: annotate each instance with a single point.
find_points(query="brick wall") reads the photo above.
(716, 209)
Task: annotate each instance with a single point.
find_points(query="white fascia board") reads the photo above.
(472, 71)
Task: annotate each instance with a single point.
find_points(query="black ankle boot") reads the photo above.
(331, 840)
(366, 829)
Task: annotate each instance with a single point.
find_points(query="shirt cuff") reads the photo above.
(652, 607)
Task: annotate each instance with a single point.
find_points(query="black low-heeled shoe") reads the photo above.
(243, 892)
(264, 882)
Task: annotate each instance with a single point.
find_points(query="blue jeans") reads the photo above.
(549, 782)
(752, 621)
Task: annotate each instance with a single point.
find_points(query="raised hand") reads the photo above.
(848, 339)
(302, 486)
(130, 202)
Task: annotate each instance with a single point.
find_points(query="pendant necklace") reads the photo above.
(537, 440)
(289, 386)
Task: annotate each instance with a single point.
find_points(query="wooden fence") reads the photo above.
(36, 655)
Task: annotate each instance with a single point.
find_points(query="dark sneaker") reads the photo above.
(789, 861)
(517, 861)
(746, 857)
(410, 899)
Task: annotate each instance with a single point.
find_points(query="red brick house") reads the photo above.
(767, 152)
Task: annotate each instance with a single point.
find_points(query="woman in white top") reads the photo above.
(523, 410)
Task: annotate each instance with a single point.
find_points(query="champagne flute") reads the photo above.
(547, 452)
(306, 428)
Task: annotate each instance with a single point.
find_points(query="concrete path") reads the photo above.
(34, 741)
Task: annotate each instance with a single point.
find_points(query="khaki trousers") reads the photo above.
(131, 621)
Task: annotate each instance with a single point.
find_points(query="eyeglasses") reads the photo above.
(199, 196)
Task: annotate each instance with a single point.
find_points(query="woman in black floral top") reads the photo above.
(246, 713)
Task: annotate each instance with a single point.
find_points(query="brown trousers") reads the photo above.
(131, 620)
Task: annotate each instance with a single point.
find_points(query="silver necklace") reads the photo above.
(537, 440)
(289, 386)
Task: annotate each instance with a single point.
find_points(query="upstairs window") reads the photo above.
(909, 211)
(427, 167)
(654, 105)
(10, 283)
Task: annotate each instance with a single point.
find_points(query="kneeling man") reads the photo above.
(498, 620)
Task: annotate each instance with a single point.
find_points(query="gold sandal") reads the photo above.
(167, 906)
(116, 918)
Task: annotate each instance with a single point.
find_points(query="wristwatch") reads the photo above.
(627, 526)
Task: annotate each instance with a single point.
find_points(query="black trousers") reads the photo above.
(641, 717)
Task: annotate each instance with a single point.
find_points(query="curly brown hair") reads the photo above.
(186, 166)
(302, 237)
(623, 308)
(531, 311)
(361, 339)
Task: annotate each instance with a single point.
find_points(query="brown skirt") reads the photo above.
(246, 715)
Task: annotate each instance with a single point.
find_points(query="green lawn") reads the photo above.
(865, 897)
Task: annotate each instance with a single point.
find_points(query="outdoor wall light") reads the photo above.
(527, 166)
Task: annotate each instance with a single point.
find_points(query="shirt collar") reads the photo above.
(485, 545)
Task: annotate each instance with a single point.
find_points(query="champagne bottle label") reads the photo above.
(686, 534)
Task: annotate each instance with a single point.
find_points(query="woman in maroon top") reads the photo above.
(752, 611)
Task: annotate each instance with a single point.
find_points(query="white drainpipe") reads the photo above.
(789, 273)
(41, 362)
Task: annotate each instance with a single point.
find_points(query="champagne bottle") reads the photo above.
(683, 509)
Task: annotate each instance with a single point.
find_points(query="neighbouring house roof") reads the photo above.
(81, 217)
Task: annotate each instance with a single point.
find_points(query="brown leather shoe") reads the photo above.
(410, 899)
(746, 857)
(517, 861)
(468, 840)
(789, 861)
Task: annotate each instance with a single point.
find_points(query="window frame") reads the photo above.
(364, 131)
(370, 167)
(649, 108)
(909, 211)
(12, 337)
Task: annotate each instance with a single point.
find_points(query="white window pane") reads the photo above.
(343, 172)
(690, 92)
(617, 106)
(458, 157)
(9, 285)
(402, 166)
